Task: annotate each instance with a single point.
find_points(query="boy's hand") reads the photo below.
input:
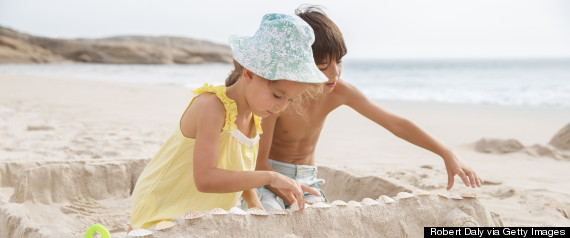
(454, 166)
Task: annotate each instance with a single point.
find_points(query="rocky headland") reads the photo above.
(17, 47)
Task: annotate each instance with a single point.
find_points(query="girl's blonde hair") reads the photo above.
(299, 105)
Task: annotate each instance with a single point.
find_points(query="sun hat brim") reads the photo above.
(280, 55)
(272, 67)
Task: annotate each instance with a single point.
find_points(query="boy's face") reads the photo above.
(332, 68)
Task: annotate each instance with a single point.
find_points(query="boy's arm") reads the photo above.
(250, 196)
(265, 140)
(412, 133)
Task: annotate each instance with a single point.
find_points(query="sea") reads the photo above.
(525, 82)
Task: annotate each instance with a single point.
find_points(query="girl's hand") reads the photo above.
(291, 189)
(455, 166)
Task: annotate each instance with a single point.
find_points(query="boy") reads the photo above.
(289, 141)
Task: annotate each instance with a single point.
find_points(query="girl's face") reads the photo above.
(267, 97)
(332, 69)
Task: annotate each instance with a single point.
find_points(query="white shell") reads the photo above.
(219, 211)
(468, 195)
(189, 215)
(238, 211)
(420, 192)
(339, 203)
(404, 195)
(163, 225)
(369, 202)
(139, 233)
(320, 205)
(454, 196)
(443, 195)
(278, 212)
(354, 203)
(385, 199)
(257, 212)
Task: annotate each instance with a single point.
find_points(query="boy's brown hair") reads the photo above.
(329, 43)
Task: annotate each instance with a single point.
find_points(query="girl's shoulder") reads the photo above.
(213, 101)
(205, 110)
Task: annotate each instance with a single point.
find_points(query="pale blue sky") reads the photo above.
(372, 29)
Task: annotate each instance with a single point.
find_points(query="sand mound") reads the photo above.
(557, 148)
(405, 217)
(561, 139)
(500, 146)
(63, 198)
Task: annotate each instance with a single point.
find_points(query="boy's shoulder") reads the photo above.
(345, 90)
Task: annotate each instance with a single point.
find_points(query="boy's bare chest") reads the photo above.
(292, 127)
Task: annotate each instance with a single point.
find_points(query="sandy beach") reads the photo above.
(70, 151)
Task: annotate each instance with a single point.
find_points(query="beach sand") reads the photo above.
(71, 149)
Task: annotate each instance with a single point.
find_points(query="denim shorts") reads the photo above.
(305, 174)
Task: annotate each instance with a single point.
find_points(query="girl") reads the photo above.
(210, 158)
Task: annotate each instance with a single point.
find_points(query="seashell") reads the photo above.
(353, 203)
(454, 196)
(443, 195)
(370, 202)
(139, 233)
(420, 192)
(321, 205)
(219, 211)
(189, 215)
(238, 211)
(163, 225)
(278, 212)
(339, 203)
(404, 195)
(468, 195)
(257, 212)
(385, 199)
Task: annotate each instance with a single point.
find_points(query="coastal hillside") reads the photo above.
(17, 47)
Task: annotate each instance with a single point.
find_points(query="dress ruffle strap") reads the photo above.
(229, 104)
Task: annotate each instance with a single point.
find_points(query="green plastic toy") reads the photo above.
(97, 227)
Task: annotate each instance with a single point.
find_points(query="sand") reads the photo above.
(71, 149)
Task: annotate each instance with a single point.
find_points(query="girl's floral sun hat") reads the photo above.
(280, 49)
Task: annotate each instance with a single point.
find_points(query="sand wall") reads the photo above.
(403, 218)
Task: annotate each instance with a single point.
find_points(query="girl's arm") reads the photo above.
(412, 133)
(209, 119)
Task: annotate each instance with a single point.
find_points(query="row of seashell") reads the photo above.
(190, 215)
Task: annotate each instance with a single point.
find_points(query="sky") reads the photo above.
(373, 29)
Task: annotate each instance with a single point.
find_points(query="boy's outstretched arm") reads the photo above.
(412, 133)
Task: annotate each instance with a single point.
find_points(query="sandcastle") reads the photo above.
(404, 215)
(63, 198)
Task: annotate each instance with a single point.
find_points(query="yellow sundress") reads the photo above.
(166, 190)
